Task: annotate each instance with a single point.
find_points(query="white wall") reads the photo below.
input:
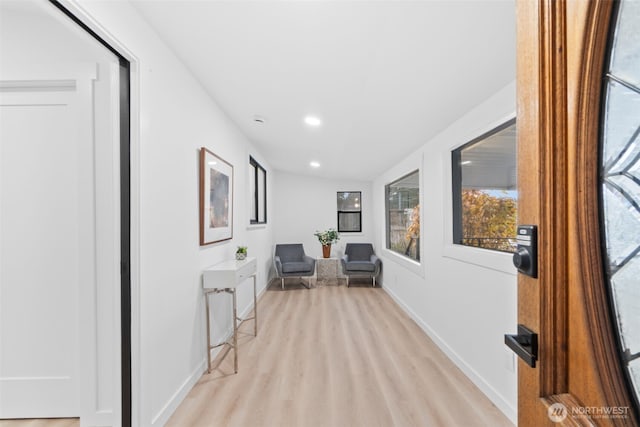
(463, 297)
(306, 204)
(172, 118)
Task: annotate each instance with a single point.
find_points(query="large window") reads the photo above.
(485, 190)
(349, 211)
(403, 215)
(258, 190)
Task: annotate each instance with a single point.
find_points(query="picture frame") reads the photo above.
(216, 198)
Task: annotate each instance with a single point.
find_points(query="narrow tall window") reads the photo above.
(258, 190)
(349, 211)
(485, 190)
(403, 215)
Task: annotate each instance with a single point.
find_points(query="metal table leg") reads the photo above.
(235, 332)
(255, 308)
(206, 298)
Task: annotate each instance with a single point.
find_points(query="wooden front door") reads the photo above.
(578, 378)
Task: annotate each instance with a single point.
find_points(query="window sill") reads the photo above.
(256, 226)
(486, 258)
(406, 262)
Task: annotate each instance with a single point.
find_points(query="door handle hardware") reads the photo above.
(524, 344)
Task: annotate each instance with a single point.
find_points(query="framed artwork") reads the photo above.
(216, 198)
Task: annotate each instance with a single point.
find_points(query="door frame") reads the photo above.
(129, 206)
(561, 46)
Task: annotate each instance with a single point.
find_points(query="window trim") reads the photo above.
(387, 247)
(255, 169)
(359, 212)
(456, 184)
(492, 260)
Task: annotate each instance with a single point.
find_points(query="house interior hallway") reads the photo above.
(335, 356)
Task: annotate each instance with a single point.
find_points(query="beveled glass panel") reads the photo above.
(629, 188)
(622, 121)
(626, 294)
(634, 170)
(625, 58)
(634, 370)
(622, 226)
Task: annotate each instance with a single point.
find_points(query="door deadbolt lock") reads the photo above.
(525, 259)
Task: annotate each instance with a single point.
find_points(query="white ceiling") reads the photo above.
(491, 163)
(384, 76)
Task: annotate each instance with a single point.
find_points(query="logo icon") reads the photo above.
(557, 412)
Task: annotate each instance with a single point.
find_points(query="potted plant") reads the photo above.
(327, 238)
(241, 253)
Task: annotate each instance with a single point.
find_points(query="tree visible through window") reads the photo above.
(488, 220)
(403, 215)
(485, 190)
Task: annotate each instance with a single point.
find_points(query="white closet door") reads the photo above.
(47, 248)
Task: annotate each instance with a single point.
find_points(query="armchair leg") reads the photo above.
(374, 281)
(282, 280)
(347, 281)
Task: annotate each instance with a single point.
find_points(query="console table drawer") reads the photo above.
(228, 274)
(246, 270)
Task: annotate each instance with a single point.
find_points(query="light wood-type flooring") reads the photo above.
(335, 356)
(330, 356)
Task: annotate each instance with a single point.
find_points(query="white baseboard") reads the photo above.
(174, 401)
(496, 398)
(98, 418)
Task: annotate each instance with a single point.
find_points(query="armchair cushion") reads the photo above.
(297, 267)
(361, 266)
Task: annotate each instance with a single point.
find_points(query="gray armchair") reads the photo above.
(291, 261)
(359, 260)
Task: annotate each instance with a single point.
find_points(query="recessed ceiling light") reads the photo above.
(312, 121)
(314, 164)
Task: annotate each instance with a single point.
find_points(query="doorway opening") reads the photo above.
(78, 216)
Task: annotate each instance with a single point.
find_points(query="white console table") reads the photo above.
(226, 277)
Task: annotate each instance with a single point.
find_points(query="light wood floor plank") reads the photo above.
(336, 356)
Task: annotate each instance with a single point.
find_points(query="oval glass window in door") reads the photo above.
(620, 183)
